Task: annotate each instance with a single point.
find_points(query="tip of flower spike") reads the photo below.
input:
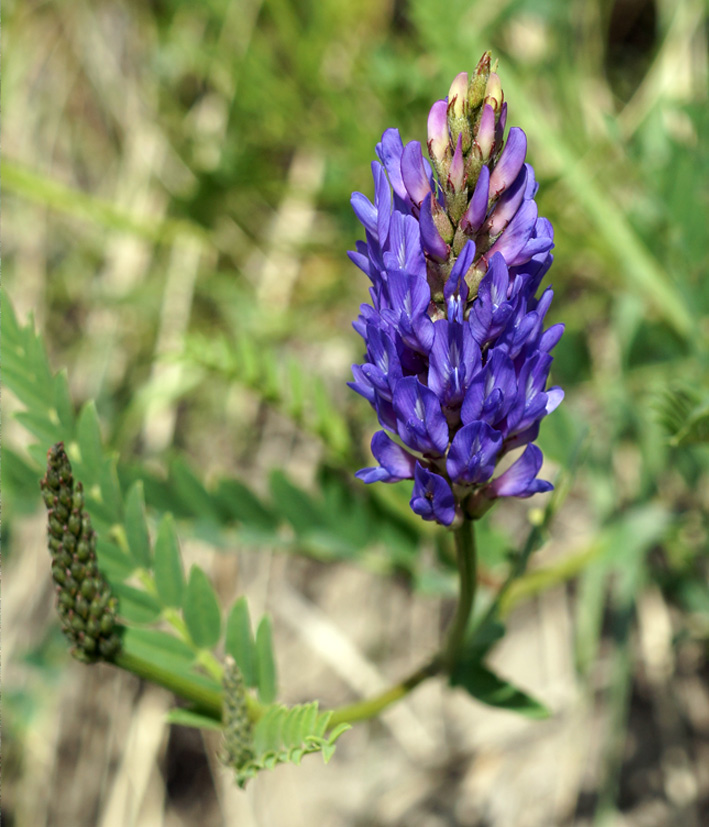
(478, 82)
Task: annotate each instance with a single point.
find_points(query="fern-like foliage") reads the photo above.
(285, 734)
(683, 412)
(171, 622)
(367, 526)
(287, 385)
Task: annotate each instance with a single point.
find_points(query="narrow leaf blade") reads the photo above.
(240, 641)
(201, 610)
(136, 526)
(266, 667)
(169, 577)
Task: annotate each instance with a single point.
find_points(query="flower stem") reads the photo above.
(444, 660)
(370, 707)
(467, 570)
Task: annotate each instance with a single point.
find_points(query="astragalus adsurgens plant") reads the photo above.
(457, 356)
(456, 368)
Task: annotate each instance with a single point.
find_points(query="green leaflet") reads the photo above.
(135, 605)
(486, 686)
(240, 641)
(89, 439)
(169, 578)
(294, 504)
(113, 562)
(162, 648)
(201, 610)
(285, 734)
(265, 664)
(683, 412)
(137, 527)
(186, 717)
(239, 503)
(191, 492)
(286, 384)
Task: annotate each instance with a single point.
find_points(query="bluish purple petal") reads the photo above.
(420, 421)
(413, 173)
(473, 453)
(395, 464)
(389, 152)
(430, 237)
(432, 497)
(518, 232)
(509, 203)
(477, 209)
(365, 211)
(510, 162)
(519, 480)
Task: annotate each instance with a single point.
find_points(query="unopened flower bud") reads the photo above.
(458, 122)
(493, 93)
(74, 522)
(438, 137)
(485, 136)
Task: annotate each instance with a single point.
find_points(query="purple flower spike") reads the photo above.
(432, 497)
(395, 464)
(457, 359)
(519, 480)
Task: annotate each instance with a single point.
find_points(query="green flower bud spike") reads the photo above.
(84, 601)
(236, 720)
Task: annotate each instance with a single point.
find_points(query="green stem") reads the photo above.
(206, 701)
(209, 702)
(467, 570)
(445, 659)
(370, 707)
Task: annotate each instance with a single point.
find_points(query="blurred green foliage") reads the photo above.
(177, 179)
